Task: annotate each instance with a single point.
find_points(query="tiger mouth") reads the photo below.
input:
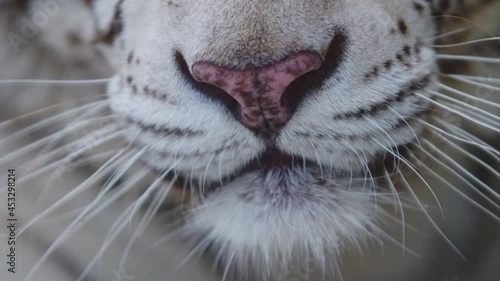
(275, 161)
(272, 159)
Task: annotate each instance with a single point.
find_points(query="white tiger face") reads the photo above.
(271, 111)
(285, 119)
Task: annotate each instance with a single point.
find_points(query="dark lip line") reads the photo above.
(273, 159)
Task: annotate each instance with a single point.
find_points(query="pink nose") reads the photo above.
(259, 91)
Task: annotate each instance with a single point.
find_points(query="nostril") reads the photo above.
(259, 90)
(299, 89)
(216, 94)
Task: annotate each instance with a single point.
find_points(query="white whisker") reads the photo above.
(178, 231)
(363, 161)
(199, 248)
(73, 151)
(154, 207)
(53, 107)
(97, 206)
(463, 179)
(203, 180)
(397, 197)
(467, 43)
(95, 157)
(466, 105)
(465, 171)
(472, 156)
(472, 82)
(396, 242)
(94, 106)
(450, 33)
(64, 161)
(318, 160)
(228, 265)
(55, 82)
(475, 78)
(472, 114)
(100, 173)
(103, 170)
(117, 228)
(152, 210)
(43, 141)
(493, 152)
(390, 150)
(47, 152)
(429, 218)
(149, 191)
(469, 96)
(460, 113)
(418, 175)
(404, 118)
(219, 169)
(468, 58)
(456, 190)
(486, 147)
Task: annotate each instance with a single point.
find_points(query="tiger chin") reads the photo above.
(285, 128)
